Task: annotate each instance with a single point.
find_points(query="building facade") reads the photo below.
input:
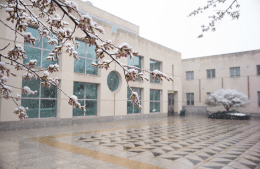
(203, 75)
(103, 92)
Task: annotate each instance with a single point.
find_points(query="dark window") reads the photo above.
(234, 71)
(87, 96)
(190, 75)
(135, 61)
(86, 55)
(154, 100)
(40, 51)
(154, 65)
(258, 69)
(42, 104)
(113, 81)
(258, 95)
(211, 73)
(190, 98)
(208, 93)
(130, 106)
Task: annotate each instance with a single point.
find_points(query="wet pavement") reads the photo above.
(172, 142)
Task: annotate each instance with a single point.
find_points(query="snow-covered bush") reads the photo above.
(51, 25)
(228, 98)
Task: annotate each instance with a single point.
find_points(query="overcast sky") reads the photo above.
(166, 22)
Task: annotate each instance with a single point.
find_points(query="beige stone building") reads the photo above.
(105, 93)
(239, 71)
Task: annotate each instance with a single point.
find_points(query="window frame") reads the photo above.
(155, 101)
(86, 59)
(133, 59)
(187, 72)
(211, 73)
(40, 98)
(235, 73)
(189, 99)
(140, 98)
(151, 79)
(84, 99)
(39, 48)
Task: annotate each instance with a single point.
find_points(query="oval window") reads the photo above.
(113, 81)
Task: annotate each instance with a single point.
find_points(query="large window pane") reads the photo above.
(129, 93)
(192, 98)
(237, 71)
(89, 68)
(46, 63)
(79, 66)
(91, 91)
(152, 107)
(48, 92)
(151, 94)
(91, 107)
(32, 54)
(46, 45)
(77, 111)
(232, 73)
(208, 73)
(48, 108)
(82, 48)
(91, 54)
(213, 73)
(34, 85)
(136, 109)
(157, 106)
(78, 90)
(129, 107)
(157, 95)
(33, 107)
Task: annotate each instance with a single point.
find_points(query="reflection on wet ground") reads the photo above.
(172, 142)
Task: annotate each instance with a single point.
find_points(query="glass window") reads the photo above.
(208, 93)
(39, 51)
(154, 100)
(86, 55)
(87, 96)
(135, 61)
(234, 71)
(43, 104)
(258, 69)
(211, 73)
(190, 75)
(130, 106)
(154, 65)
(190, 98)
(113, 81)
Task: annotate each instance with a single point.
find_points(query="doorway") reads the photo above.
(170, 104)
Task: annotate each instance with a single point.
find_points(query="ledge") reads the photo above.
(54, 122)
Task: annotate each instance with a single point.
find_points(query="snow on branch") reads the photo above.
(228, 98)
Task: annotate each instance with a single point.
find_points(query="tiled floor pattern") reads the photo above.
(185, 143)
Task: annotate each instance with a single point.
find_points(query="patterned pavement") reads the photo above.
(174, 143)
(205, 145)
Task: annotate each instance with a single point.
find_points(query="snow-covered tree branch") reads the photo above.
(228, 98)
(219, 14)
(49, 18)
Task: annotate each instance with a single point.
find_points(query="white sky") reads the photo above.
(166, 22)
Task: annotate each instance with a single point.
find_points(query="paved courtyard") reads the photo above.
(173, 142)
